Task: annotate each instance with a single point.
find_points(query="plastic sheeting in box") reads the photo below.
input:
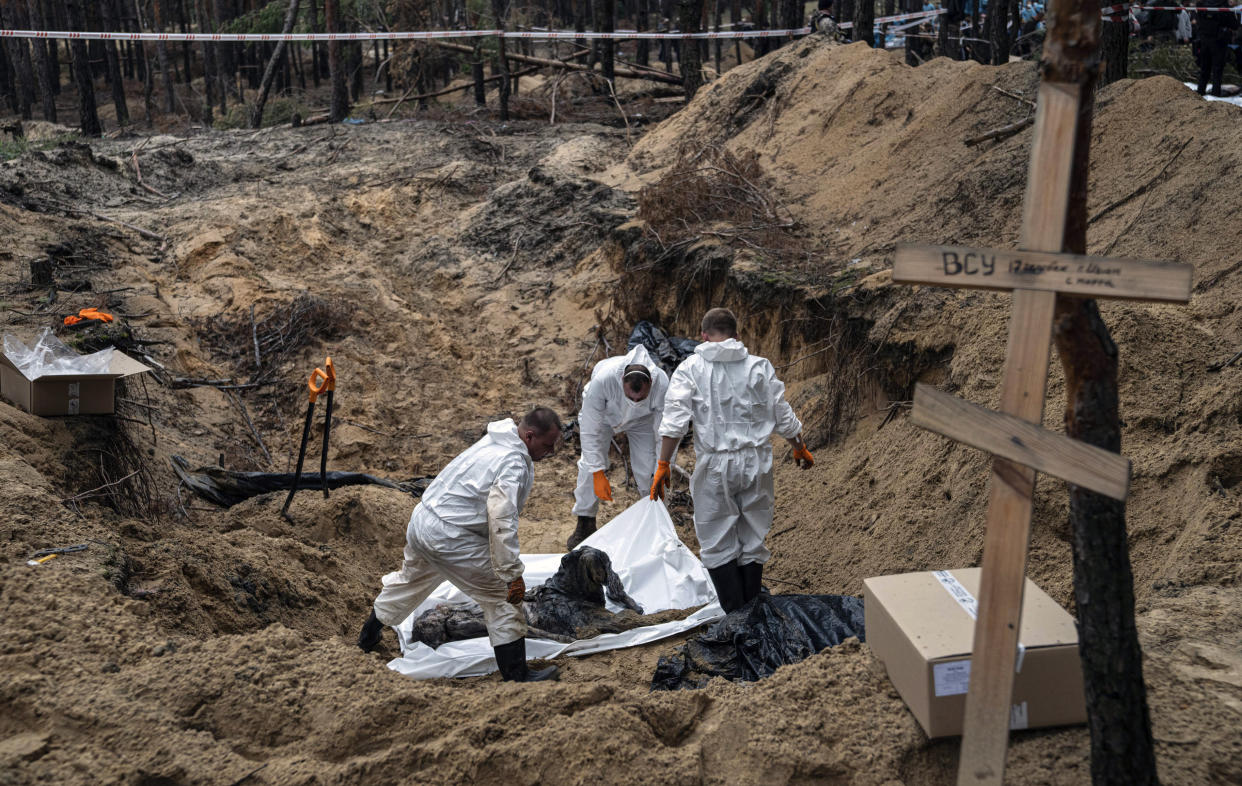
(655, 567)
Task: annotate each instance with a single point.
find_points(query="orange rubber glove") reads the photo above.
(661, 482)
(603, 489)
(517, 591)
(802, 457)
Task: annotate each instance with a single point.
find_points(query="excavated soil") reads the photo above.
(472, 270)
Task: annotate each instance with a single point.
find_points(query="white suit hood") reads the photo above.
(734, 399)
(606, 410)
(722, 351)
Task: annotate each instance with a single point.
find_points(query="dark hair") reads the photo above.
(636, 376)
(720, 321)
(541, 420)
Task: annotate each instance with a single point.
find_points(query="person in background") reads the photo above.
(1214, 32)
(624, 396)
(736, 402)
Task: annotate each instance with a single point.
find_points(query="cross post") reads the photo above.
(1020, 446)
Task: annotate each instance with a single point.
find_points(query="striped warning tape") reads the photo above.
(538, 35)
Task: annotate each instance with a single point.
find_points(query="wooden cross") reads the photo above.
(1020, 446)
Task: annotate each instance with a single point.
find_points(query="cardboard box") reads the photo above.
(919, 626)
(67, 394)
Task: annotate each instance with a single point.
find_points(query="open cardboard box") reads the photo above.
(67, 394)
(919, 627)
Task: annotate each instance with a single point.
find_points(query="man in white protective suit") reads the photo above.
(465, 531)
(736, 403)
(625, 395)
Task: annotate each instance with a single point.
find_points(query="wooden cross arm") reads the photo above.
(1021, 442)
(1071, 274)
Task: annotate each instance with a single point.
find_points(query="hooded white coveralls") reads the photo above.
(736, 403)
(465, 530)
(606, 411)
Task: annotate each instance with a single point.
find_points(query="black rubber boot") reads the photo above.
(586, 528)
(372, 632)
(752, 581)
(727, 579)
(511, 658)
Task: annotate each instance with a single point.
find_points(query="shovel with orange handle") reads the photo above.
(320, 381)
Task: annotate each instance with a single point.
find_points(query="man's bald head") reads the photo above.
(541, 430)
(719, 324)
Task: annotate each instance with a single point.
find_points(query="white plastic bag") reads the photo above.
(655, 567)
(50, 355)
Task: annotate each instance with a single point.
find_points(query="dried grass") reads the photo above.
(264, 345)
(712, 192)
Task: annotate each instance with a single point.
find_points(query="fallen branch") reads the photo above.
(620, 72)
(1000, 133)
(92, 492)
(1225, 364)
(1014, 96)
(1141, 189)
(254, 432)
(133, 157)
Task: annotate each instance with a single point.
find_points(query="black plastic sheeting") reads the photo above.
(753, 642)
(668, 350)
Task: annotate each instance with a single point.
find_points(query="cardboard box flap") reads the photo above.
(121, 365)
(939, 627)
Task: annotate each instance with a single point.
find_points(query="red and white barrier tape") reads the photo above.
(538, 35)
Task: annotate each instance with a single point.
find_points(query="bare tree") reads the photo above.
(864, 21)
(43, 73)
(605, 21)
(688, 14)
(256, 112)
(998, 33)
(82, 72)
(110, 19)
(500, 8)
(161, 52)
(339, 107)
(1108, 646)
(1115, 50)
(18, 51)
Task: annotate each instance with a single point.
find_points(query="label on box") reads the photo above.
(75, 400)
(1019, 718)
(951, 678)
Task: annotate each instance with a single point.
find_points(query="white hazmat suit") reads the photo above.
(736, 403)
(607, 411)
(465, 531)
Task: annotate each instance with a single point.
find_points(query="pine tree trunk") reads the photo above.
(606, 11)
(18, 51)
(1108, 646)
(161, 52)
(339, 108)
(642, 23)
(500, 11)
(476, 70)
(864, 21)
(688, 14)
(759, 18)
(256, 112)
(43, 68)
(998, 20)
(82, 73)
(111, 21)
(1115, 51)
